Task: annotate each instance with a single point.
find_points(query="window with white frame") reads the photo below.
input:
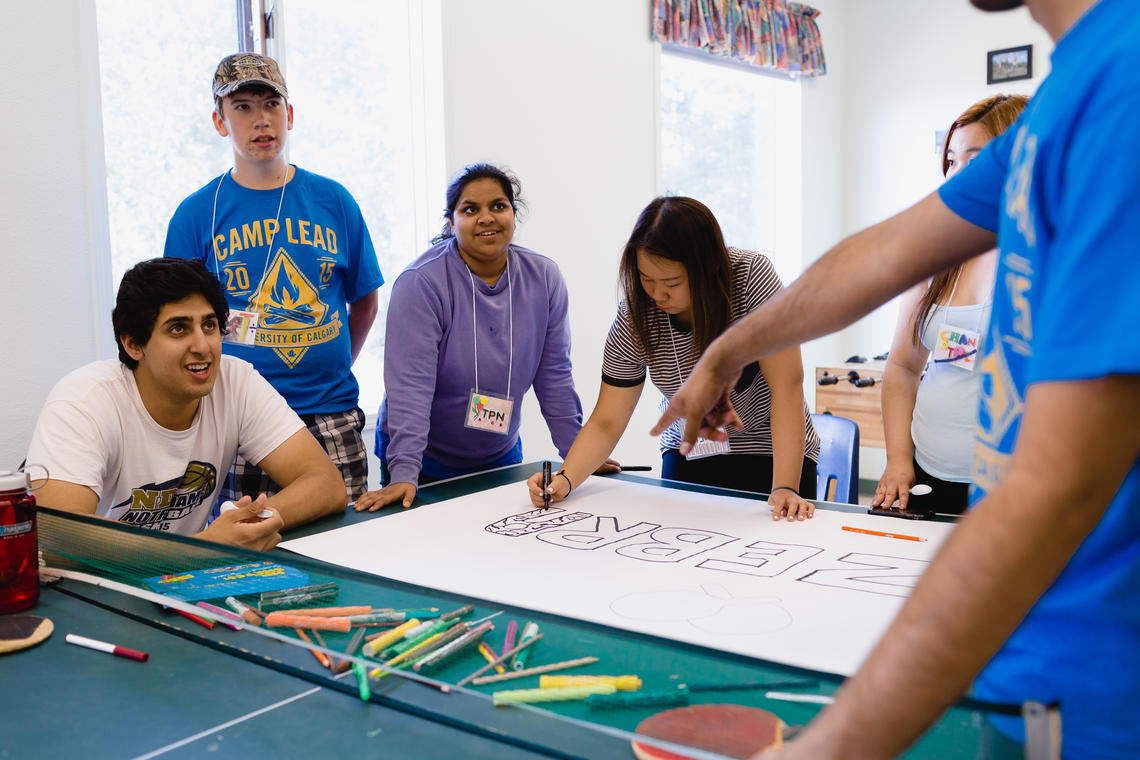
(357, 83)
(730, 137)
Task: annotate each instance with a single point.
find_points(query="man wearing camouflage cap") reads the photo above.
(294, 256)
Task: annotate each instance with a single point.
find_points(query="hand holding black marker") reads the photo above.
(546, 485)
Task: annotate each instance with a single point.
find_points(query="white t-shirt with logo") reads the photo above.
(94, 431)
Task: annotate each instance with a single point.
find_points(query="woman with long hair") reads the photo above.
(928, 418)
(682, 288)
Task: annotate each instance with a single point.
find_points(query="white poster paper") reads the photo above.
(709, 570)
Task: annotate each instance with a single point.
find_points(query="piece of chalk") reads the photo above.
(327, 611)
(384, 640)
(621, 683)
(281, 620)
(229, 506)
(787, 696)
(529, 696)
(534, 671)
(247, 613)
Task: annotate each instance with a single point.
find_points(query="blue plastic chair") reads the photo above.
(838, 470)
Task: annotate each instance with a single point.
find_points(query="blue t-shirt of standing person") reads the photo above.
(1062, 189)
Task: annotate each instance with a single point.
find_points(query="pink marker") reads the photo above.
(509, 637)
(103, 646)
(225, 617)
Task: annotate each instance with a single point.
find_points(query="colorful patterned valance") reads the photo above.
(771, 34)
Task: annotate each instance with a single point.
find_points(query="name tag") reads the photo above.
(956, 346)
(704, 447)
(241, 328)
(489, 413)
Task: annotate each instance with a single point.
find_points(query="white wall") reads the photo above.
(53, 207)
(823, 166)
(892, 105)
(570, 107)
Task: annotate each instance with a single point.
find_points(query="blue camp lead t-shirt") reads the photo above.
(1061, 188)
(321, 260)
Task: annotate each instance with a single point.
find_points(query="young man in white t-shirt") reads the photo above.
(148, 439)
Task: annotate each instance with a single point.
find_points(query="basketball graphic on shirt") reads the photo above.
(158, 504)
(293, 316)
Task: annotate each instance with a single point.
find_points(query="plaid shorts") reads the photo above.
(338, 433)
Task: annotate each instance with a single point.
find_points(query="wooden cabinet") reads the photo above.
(845, 399)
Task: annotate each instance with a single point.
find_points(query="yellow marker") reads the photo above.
(621, 683)
(414, 651)
(489, 656)
(380, 643)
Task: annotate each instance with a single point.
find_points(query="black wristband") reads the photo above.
(563, 474)
(785, 488)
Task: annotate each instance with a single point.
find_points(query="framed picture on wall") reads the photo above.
(1009, 64)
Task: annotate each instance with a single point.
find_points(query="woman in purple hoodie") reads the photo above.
(473, 324)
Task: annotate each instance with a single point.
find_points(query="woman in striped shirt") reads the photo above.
(683, 287)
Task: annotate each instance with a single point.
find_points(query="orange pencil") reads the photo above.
(881, 533)
(322, 658)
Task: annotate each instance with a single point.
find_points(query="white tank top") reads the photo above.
(946, 408)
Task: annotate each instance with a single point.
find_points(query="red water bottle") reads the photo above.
(19, 551)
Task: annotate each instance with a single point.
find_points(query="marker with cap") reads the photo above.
(530, 630)
(103, 646)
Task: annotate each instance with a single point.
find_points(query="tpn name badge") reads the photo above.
(705, 447)
(956, 346)
(241, 328)
(489, 413)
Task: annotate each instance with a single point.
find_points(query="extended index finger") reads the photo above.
(673, 412)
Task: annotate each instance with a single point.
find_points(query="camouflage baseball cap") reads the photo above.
(241, 69)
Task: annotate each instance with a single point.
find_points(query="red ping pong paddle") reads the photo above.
(22, 631)
(730, 730)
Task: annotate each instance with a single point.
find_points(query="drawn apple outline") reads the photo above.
(713, 609)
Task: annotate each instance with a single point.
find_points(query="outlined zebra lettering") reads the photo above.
(871, 573)
(526, 523)
(604, 533)
(675, 544)
(759, 559)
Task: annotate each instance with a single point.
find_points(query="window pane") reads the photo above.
(157, 63)
(347, 65)
(720, 130)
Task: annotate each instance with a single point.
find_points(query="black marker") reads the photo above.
(636, 468)
(546, 485)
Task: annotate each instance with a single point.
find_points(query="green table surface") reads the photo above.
(228, 694)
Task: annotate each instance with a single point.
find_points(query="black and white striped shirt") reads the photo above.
(753, 281)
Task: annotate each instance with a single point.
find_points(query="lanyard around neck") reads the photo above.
(510, 322)
(269, 238)
(673, 342)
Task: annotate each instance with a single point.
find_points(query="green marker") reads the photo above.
(518, 662)
(362, 679)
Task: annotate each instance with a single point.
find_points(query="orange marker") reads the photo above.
(881, 533)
